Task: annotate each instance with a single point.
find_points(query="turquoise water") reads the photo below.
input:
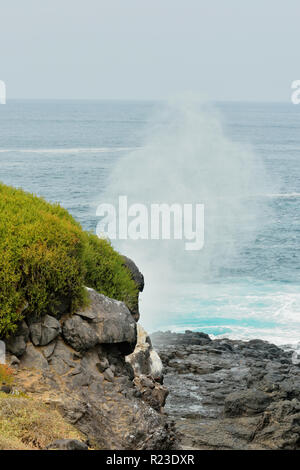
(66, 151)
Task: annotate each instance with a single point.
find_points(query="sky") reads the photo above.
(150, 49)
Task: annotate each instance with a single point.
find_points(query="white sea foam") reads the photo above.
(229, 311)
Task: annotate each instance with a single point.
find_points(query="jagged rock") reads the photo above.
(145, 360)
(67, 444)
(147, 368)
(44, 330)
(16, 344)
(151, 392)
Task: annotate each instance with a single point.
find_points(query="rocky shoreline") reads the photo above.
(228, 394)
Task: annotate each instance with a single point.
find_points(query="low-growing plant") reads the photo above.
(6, 375)
(47, 257)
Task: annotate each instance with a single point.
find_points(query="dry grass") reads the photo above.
(26, 424)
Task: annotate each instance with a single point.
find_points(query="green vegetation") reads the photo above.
(106, 272)
(6, 375)
(46, 257)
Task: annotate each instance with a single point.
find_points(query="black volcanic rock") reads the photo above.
(229, 394)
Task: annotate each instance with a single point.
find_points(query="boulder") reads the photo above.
(113, 323)
(79, 334)
(16, 345)
(44, 330)
(108, 319)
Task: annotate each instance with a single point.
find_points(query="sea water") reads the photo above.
(242, 160)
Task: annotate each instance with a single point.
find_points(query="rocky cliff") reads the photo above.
(88, 368)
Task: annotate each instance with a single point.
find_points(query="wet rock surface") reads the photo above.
(227, 394)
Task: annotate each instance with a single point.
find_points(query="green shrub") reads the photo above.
(46, 256)
(106, 272)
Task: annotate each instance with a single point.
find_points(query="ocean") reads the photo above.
(245, 284)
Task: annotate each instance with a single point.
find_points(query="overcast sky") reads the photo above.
(150, 49)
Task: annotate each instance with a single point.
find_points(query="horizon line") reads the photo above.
(149, 100)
